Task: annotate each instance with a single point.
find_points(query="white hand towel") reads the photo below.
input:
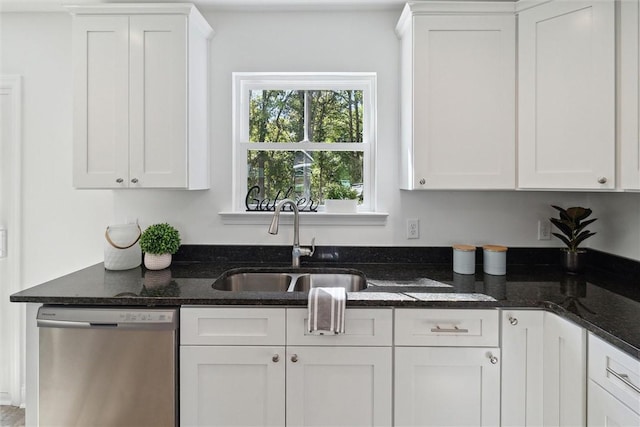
(326, 310)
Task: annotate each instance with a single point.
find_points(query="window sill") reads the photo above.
(306, 218)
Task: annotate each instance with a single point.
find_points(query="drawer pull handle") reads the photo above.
(294, 358)
(625, 379)
(455, 329)
(276, 358)
(493, 359)
(513, 321)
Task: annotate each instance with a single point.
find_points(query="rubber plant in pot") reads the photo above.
(340, 199)
(572, 224)
(159, 242)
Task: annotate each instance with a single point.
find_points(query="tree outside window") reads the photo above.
(303, 132)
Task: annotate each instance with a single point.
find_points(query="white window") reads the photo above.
(297, 133)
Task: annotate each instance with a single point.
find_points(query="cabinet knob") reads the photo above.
(134, 180)
(119, 180)
(492, 359)
(294, 358)
(276, 358)
(423, 181)
(602, 180)
(513, 321)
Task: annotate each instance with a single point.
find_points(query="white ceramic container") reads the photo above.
(495, 259)
(464, 259)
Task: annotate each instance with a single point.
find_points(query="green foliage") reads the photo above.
(278, 116)
(572, 225)
(339, 192)
(160, 239)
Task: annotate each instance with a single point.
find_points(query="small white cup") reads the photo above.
(495, 259)
(464, 259)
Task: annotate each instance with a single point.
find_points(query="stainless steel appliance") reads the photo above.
(107, 367)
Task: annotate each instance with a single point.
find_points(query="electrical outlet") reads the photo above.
(544, 230)
(413, 228)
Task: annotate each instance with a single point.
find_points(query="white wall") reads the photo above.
(331, 41)
(60, 220)
(618, 224)
(62, 228)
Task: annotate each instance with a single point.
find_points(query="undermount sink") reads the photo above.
(289, 279)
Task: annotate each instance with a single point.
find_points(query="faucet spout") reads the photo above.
(297, 251)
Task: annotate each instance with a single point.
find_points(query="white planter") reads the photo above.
(157, 261)
(341, 206)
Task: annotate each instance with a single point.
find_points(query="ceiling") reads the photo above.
(56, 5)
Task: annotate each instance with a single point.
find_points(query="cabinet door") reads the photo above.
(339, 386)
(606, 410)
(564, 372)
(464, 102)
(630, 94)
(232, 386)
(522, 341)
(101, 101)
(566, 98)
(447, 386)
(158, 144)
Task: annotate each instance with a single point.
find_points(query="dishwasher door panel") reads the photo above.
(107, 377)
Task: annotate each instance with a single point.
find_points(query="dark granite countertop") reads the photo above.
(605, 304)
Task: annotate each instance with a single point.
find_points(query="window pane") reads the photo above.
(279, 115)
(336, 115)
(276, 116)
(302, 174)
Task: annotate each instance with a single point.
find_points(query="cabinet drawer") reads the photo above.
(465, 328)
(371, 327)
(232, 326)
(615, 371)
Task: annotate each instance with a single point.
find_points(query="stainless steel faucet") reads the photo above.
(297, 251)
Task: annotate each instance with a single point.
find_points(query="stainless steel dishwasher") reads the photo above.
(107, 367)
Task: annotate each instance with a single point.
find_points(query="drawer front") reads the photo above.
(615, 371)
(367, 327)
(232, 326)
(449, 328)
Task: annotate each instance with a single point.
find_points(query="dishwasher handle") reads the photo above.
(45, 323)
(100, 318)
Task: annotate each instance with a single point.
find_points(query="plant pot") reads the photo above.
(574, 262)
(341, 206)
(157, 261)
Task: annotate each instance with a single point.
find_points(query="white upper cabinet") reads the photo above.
(141, 96)
(629, 94)
(458, 96)
(566, 96)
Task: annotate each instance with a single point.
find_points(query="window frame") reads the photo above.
(244, 82)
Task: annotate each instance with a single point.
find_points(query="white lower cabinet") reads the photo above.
(447, 386)
(564, 372)
(232, 386)
(606, 410)
(543, 370)
(226, 380)
(251, 366)
(339, 386)
(522, 339)
(614, 386)
(447, 368)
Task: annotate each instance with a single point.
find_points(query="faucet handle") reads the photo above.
(313, 246)
(307, 251)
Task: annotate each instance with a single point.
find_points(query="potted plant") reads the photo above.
(159, 242)
(572, 223)
(340, 199)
